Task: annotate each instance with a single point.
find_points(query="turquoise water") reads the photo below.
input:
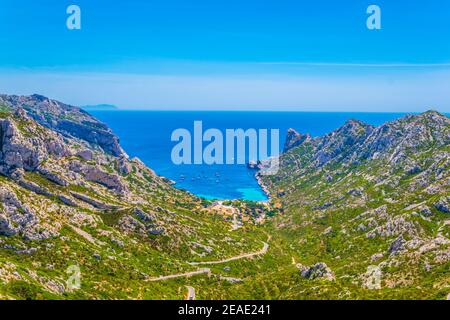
(251, 193)
(146, 134)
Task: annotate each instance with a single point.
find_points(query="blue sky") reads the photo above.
(234, 54)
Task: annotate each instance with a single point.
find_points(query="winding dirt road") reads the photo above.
(207, 270)
(178, 275)
(241, 256)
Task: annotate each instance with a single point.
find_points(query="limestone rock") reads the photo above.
(443, 204)
(319, 270)
(65, 119)
(95, 174)
(17, 218)
(397, 245)
(95, 203)
(294, 139)
(86, 155)
(144, 216)
(156, 231)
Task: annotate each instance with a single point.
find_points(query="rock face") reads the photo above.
(340, 145)
(17, 218)
(95, 174)
(294, 139)
(144, 216)
(95, 203)
(26, 148)
(67, 120)
(86, 155)
(443, 205)
(397, 245)
(319, 270)
(53, 177)
(356, 141)
(44, 153)
(382, 190)
(68, 194)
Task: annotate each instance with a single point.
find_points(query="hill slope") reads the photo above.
(367, 199)
(69, 196)
(362, 212)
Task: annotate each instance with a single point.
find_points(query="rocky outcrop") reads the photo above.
(123, 165)
(95, 174)
(53, 177)
(397, 245)
(67, 201)
(294, 139)
(66, 119)
(156, 231)
(24, 145)
(86, 155)
(129, 224)
(16, 151)
(340, 144)
(144, 216)
(393, 227)
(31, 186)
(443, 204)
(18, 219)
(319, 270)
(393, 138)
(97, 135)
(356, 141)
(95, 203)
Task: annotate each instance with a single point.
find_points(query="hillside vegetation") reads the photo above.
(360, 213)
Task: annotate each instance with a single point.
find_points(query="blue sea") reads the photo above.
(147, 135)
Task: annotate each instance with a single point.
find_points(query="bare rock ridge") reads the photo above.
(70, 195)
(294, 139)
(375, 197)
(356, 141)
(21, 149)
(83, 167)
(65, 119)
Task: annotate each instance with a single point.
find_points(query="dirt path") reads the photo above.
(241, 256)
(87, 236)
(207, 270)
(178, 275)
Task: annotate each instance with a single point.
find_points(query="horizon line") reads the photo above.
(263, 110)
(350, 64)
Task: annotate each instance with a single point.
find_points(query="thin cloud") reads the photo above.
(397, 91)
(368, 65)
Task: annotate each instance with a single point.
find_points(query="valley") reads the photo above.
(360, 205)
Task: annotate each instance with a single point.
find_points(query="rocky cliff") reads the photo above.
(65, 119)
(69, 196)
(365, 198)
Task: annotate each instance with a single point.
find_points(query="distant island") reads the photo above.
(98, 107)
